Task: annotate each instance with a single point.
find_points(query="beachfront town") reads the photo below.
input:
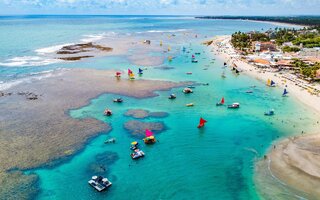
(292, 54)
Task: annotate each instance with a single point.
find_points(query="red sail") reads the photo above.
(222, 100)
(202, 122)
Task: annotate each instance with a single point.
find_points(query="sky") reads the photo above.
(161, 7)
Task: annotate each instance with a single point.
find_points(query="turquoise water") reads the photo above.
(215, 162)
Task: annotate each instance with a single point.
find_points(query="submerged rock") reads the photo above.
(74, 58)
(102, 163)
(137, 128)
(84, 47)
(141, 114)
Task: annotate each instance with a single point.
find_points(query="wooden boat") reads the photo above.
(234, 105)
(172, 96)
(221, 103)
(118, 100)
(189, 104)
(149, 139)
(107, 112)
(187, 90)
(269, 113)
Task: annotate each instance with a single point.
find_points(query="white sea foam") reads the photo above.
(24, 61)
(166, 31)
(32, 77)
(45, 55)
(97, 37)
(51, 49)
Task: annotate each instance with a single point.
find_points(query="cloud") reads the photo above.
(243, 7)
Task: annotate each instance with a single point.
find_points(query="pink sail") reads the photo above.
(129, 71)
(148, 133)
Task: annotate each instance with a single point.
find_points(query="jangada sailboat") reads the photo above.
(149, 139)
(221, 103)
(202, 122)
(285, 92)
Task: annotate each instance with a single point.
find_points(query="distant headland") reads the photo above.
(299, 20)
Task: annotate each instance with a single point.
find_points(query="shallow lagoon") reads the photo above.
(215, 162)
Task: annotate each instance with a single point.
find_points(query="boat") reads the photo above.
(190, 104)
(118, 74)
(172, 96)
(140, 71)
(107, 112)
(202, 122)
(111, 140)
(99, 183)
(129, 72)
(223, 75)
(237, 71)
(189, 73)
(269, 113)
(194, 61)
(234, 105)
(285, 92)
(187, 90)
(118, 100)
(131, 76)
(137, 154)
(221, 103)
(270, 83)
(134, 145)
(249, 91)
(149, 139)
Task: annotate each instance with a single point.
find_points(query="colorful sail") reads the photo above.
(285, 92)
(129, 72)
(269, 82)
(118, 73)
(140, 71)
(202, 122)
(222, 100)
(272, 83)
(148, 133)
(193, 56)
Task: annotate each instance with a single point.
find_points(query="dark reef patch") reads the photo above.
(137, 128)
(141, 114)
(102, 163)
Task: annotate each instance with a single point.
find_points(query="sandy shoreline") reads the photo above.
(295, 91)
(46, 132)
(291, 169)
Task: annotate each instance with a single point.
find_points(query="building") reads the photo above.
(263, 46)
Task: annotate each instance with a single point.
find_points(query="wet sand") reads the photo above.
(293, 165)
(40, 132)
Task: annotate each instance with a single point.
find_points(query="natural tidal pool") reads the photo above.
(216, 162)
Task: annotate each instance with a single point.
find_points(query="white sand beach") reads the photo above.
(290, 170)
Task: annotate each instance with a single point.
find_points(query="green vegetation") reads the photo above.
(241, 41)
(290, 49)
(305, 69)
(301, 20)
(260, 37)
